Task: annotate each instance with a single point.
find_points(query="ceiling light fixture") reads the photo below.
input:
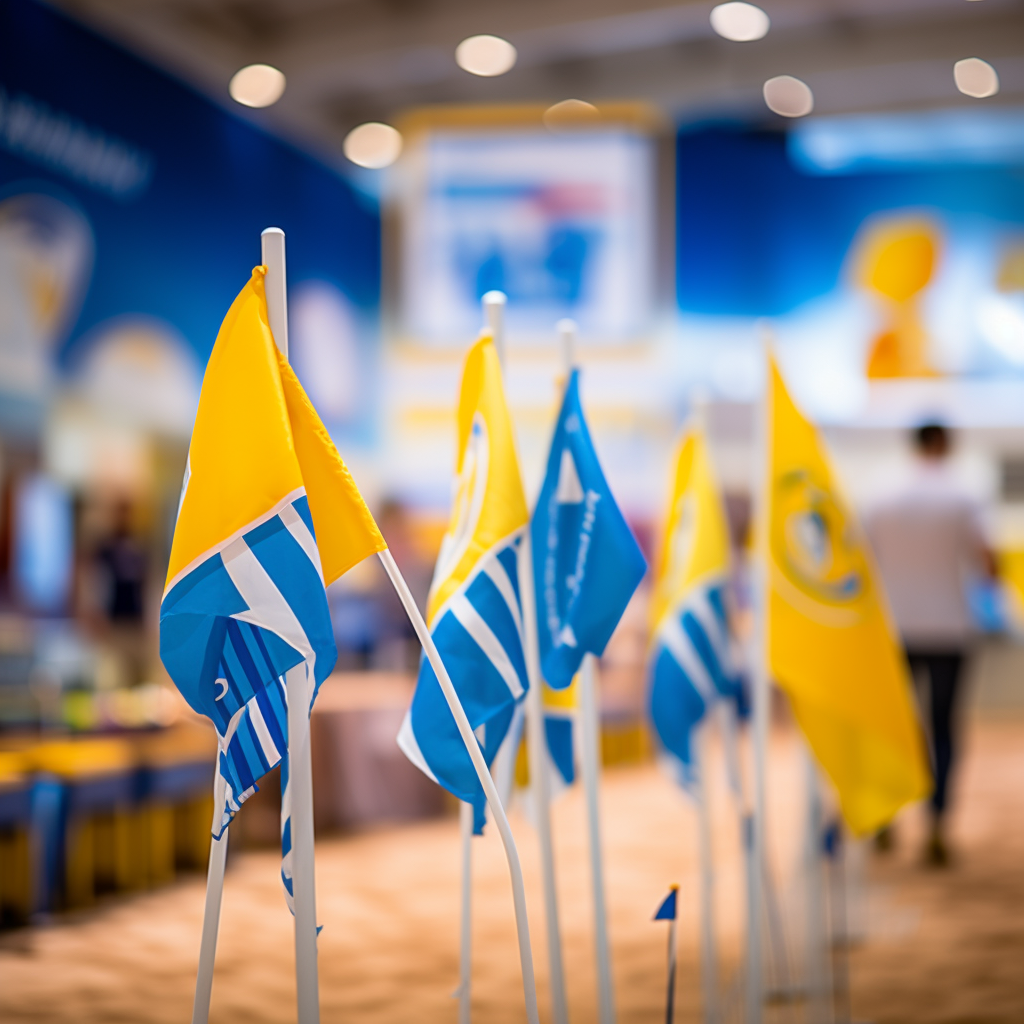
(257, 85)
(788, 96)
(740, 22)
(374, 145)
(487, 56)
(975, 77)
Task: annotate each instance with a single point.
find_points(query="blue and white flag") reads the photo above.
(586, 561)
(473, 610)
(268, 516)
(690, 665)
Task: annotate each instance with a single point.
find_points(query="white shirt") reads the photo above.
(929, 542)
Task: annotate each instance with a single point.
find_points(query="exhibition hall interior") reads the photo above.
(512, 511)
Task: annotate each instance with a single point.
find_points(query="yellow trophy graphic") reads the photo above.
(895, 259)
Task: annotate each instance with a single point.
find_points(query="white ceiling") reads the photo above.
(348, 61)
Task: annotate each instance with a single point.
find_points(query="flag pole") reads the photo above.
(494, 313)
(480, 766)
(709, 959)
(590, 766)
(536, 748)
(673, 956)
(709, 965)
(760, 695)
(466, 914)
(494, 316)
(299, 691)
(211, 910)
(818, 976)
(590, 750)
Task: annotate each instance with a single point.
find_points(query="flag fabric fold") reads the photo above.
(473, 609)
(831, 644)
(689, 663)
(268, 517)
(586, 561)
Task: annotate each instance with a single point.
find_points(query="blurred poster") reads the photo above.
(563, 223)
(43, 544)
(130, 215)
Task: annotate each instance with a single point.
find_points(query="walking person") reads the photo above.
(929, 541)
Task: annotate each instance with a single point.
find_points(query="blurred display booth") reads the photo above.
(130, 215)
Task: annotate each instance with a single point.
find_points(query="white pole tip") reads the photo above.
(495, 298)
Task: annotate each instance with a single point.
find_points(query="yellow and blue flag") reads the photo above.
(561, 727)
(586, 561)
(473, 609)
(269, 516)
(831, 644)
(690, 666)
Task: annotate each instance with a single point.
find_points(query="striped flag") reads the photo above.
(689, 662)
(473, 610)
(268, 516)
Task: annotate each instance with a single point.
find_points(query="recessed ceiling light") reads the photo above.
(258, 85)
(740, 22)
(487, 56)
(570, 114)
(788, 96)
(975, 77)
(373, 145)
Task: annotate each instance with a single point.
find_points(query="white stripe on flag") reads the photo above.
(496, 571)
(259, 725)
(700, 605)
(411, 749)
(681, 648)
(267, 606)
(473, 623)
(232, 728)
(297, 527)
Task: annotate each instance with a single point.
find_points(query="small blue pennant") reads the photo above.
(667, 910)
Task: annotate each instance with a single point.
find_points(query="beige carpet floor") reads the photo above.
(944, 947)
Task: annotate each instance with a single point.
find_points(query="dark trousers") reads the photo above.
(942, 670)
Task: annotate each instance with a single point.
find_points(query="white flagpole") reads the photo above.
(466, 920)
(590, 769)
(816, 953)
(590, 765)
(299, 690)
(537, 749)
(709, 958)
(211, 911)
(494, 316)
(709, 964)
(490, 791)
(759, 699)
(494, 313)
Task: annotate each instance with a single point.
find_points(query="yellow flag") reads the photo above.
(258, 443)
(695, 548)
(831, 643)
(489, 506)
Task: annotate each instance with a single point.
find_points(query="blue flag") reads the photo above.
(586, 562)
(667, 910)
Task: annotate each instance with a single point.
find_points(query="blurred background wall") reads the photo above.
(626, 172)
